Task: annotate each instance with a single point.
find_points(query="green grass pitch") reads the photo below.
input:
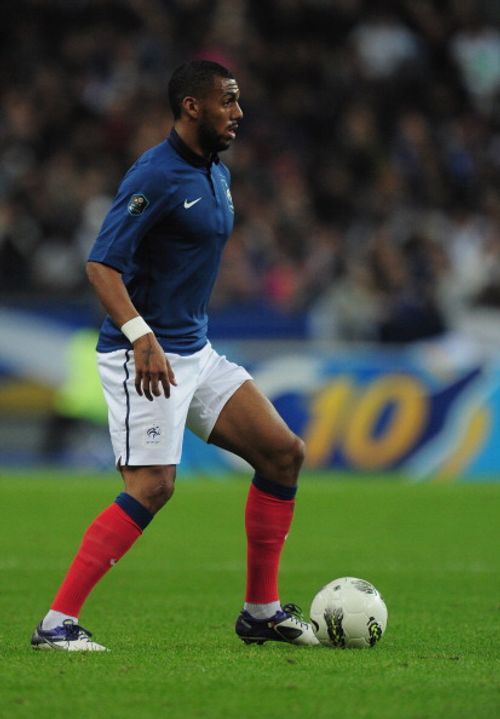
(167, 610)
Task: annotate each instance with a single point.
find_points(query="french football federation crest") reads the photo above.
(152, 435)
(137, 204)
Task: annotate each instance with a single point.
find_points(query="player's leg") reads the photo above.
(229, 411)
(112, 534)
(108, 538)
(249, 426)
(145, 436)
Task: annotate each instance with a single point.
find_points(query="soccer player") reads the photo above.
(153, 267)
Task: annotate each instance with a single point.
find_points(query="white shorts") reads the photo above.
(145, 432)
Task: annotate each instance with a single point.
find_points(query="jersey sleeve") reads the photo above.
(141, 200)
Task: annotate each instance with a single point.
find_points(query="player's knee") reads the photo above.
(161, 491)
(165, 492)
(297, 452)
(286, 459)
(156, 487)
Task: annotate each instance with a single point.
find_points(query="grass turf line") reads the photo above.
(167, 610)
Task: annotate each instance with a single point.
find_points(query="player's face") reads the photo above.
(219, 115)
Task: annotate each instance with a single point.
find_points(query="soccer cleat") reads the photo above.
(287, 625)
(69, 637)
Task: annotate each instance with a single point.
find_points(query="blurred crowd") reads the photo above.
(366, 174)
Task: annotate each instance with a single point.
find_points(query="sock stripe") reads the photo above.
(277, 490)
(135, 510)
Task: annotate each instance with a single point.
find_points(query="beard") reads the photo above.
(210, 140)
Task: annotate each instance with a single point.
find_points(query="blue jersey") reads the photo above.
(165, 233)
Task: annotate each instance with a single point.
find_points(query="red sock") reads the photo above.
(107, 539)
(267, 521)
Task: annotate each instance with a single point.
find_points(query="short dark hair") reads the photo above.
(193, 78)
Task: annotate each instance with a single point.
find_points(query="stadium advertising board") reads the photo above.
(423, 412)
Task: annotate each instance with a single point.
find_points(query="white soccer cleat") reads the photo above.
(69, 637)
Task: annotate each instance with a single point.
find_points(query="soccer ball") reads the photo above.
(348, 613)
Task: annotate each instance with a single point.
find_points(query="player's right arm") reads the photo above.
(141, 200)
(152, 368)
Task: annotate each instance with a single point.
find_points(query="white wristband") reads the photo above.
(135, 328)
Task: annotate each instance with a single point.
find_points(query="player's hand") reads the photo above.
(152, 368)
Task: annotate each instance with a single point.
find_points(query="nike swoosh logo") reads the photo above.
(187, 204)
